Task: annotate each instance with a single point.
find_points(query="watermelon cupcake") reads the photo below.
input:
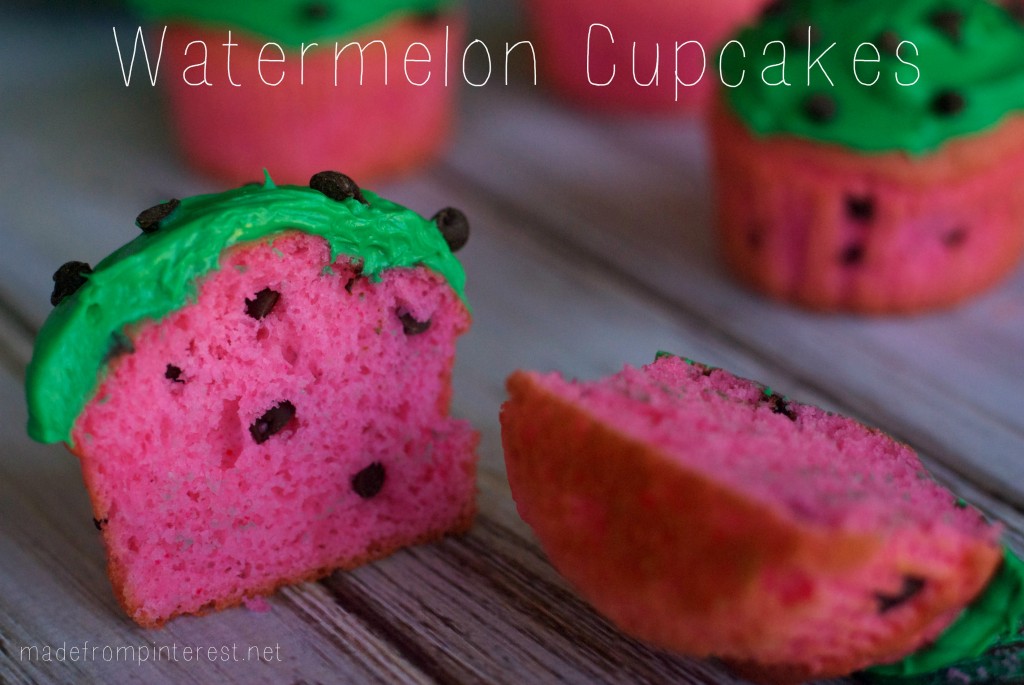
(367, 111)
(574, 57)
(711, 516)
(257, 389)
(895, 187)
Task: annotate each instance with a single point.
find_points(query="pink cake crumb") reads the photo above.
(292, 421)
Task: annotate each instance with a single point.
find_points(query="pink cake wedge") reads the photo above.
(257, 388)
(708, 515)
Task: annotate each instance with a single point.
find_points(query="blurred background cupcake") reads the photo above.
(586, 50)
(285, 93)
(887, 184)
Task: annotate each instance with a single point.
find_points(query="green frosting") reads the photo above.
(290, 23)
(984, 639)
(158, 273)
(970, 60)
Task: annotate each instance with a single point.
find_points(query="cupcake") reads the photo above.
(257, 390)
(586, 52)
(275, 94)
(890, 182)
(711, 516)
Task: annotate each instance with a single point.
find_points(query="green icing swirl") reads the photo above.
(976, 641)
(980, 58)
(157, 273)
(290, 23)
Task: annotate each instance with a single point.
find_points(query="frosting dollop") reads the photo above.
(288, 22)
(158, 272)
(968, 56)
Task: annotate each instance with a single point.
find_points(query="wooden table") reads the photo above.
(591, 248)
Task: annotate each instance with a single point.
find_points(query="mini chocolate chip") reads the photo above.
(820, 108)
(852, 255)
(411, 326)
(368, 482)
(949, 22)
(888, 42)
(99, 523)
(948, 102)
(67, 279)
(778, 404)
(860, 208)
(955, 238)
(454, 227)
(336, 186)
(173, 373)
(149, 219)
(316, 11)
(272, 421)
(798, 34)
(264, 303)
(912, 585)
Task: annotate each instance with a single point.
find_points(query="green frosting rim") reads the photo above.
(976, 63)
(992, 620)
(289, 23)
(158, 273)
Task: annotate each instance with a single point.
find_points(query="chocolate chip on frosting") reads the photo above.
(263, 304)
(820, 108)
(368, 482)
(948, 102)
(336, 186)
(149, 219)
(316, 11)
(68, 279)
(411, 326)
(272, 421)
(912, 585)
(454, 227)
(949, 22)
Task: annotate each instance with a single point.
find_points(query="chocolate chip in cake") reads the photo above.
(888, 42)
(149, 219)
(336, 186)
(272, 421)
(820, 108)
(778, 404)
(948, 102)
(263, 304)
(68, 279)
(755, 239)
(315, 11)
(120, 344)
(949, 22)
(454, 227)
(860, 208)
(410, 325)
(368, 482)
(852, 255)
(173, 373)
(955, 238)
(912, 585)
(99, 523)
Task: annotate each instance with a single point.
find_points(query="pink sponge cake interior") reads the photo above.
(288, 419)
(709, 515)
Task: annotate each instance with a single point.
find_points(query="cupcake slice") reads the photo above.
(892, 197)
(368, 111)
(711, 516)
(257, 389)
